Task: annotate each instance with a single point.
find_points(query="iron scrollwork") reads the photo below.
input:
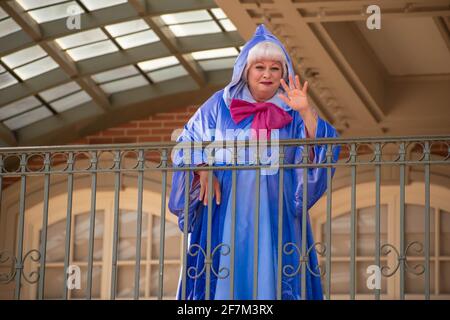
(15, 265)
(416, 269)
(195, 249)
(290, 247)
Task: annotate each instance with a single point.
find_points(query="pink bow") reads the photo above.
(267, 115)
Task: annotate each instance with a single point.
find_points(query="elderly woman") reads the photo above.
(264, 94)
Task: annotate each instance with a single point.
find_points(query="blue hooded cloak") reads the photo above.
(210, 123)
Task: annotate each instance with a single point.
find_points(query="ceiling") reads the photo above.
(126, 60)
(130, 59)
(367, 82)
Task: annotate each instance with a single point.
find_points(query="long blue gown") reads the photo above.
(210, 123)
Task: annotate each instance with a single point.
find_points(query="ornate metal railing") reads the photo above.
(18, 164)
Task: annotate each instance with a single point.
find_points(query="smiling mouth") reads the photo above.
(266, 83)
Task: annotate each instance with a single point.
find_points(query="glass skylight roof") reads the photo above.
(36, 68)
(217, 64)
(70, 101)
(23, 112)
(83, 44)
(215, 53)
(131, 34)
(95, 42)
(223, 20)
(120, 79)
(129, 77)
(6, 79)
(65, 97)
(163, 68)
(227, 25)
(33, 108)
(183, 17)
(59, 91)
(137, 39)
(29, 62)
(167, 73)
(7, 24)
(18, 107)
(87, 44)
(192, 29)
(33, 4)
(197, 22)
(81, 38)
(92, 50)
(218, 13)
(49, 10)
(122, 28)
(115, 74)
(27, 118)
(124, 84)
(155, 64)
(24, 56)
(100, 4)
(216, 59)
(3, 14)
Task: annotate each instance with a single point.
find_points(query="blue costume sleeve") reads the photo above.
(197, 130)
(317, 177)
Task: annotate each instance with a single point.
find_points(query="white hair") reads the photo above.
(266, 50)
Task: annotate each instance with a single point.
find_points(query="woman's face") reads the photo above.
(264, 79)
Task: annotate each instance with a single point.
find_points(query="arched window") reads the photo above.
(150, 246)
(390, 233)
(365, 249)
(150, 250)
(54, 273)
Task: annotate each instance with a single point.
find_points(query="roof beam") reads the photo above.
(354, 10)
(357, 16)
(320, 51)
(168, 39)
(358, 63)
(359, 3)
(63, 60)
(443, 25)
(118, 59)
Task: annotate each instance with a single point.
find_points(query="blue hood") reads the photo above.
(237, 83)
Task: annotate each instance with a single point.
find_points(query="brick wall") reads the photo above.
(155, 128)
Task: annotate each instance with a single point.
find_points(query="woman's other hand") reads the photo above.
(203, 176)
